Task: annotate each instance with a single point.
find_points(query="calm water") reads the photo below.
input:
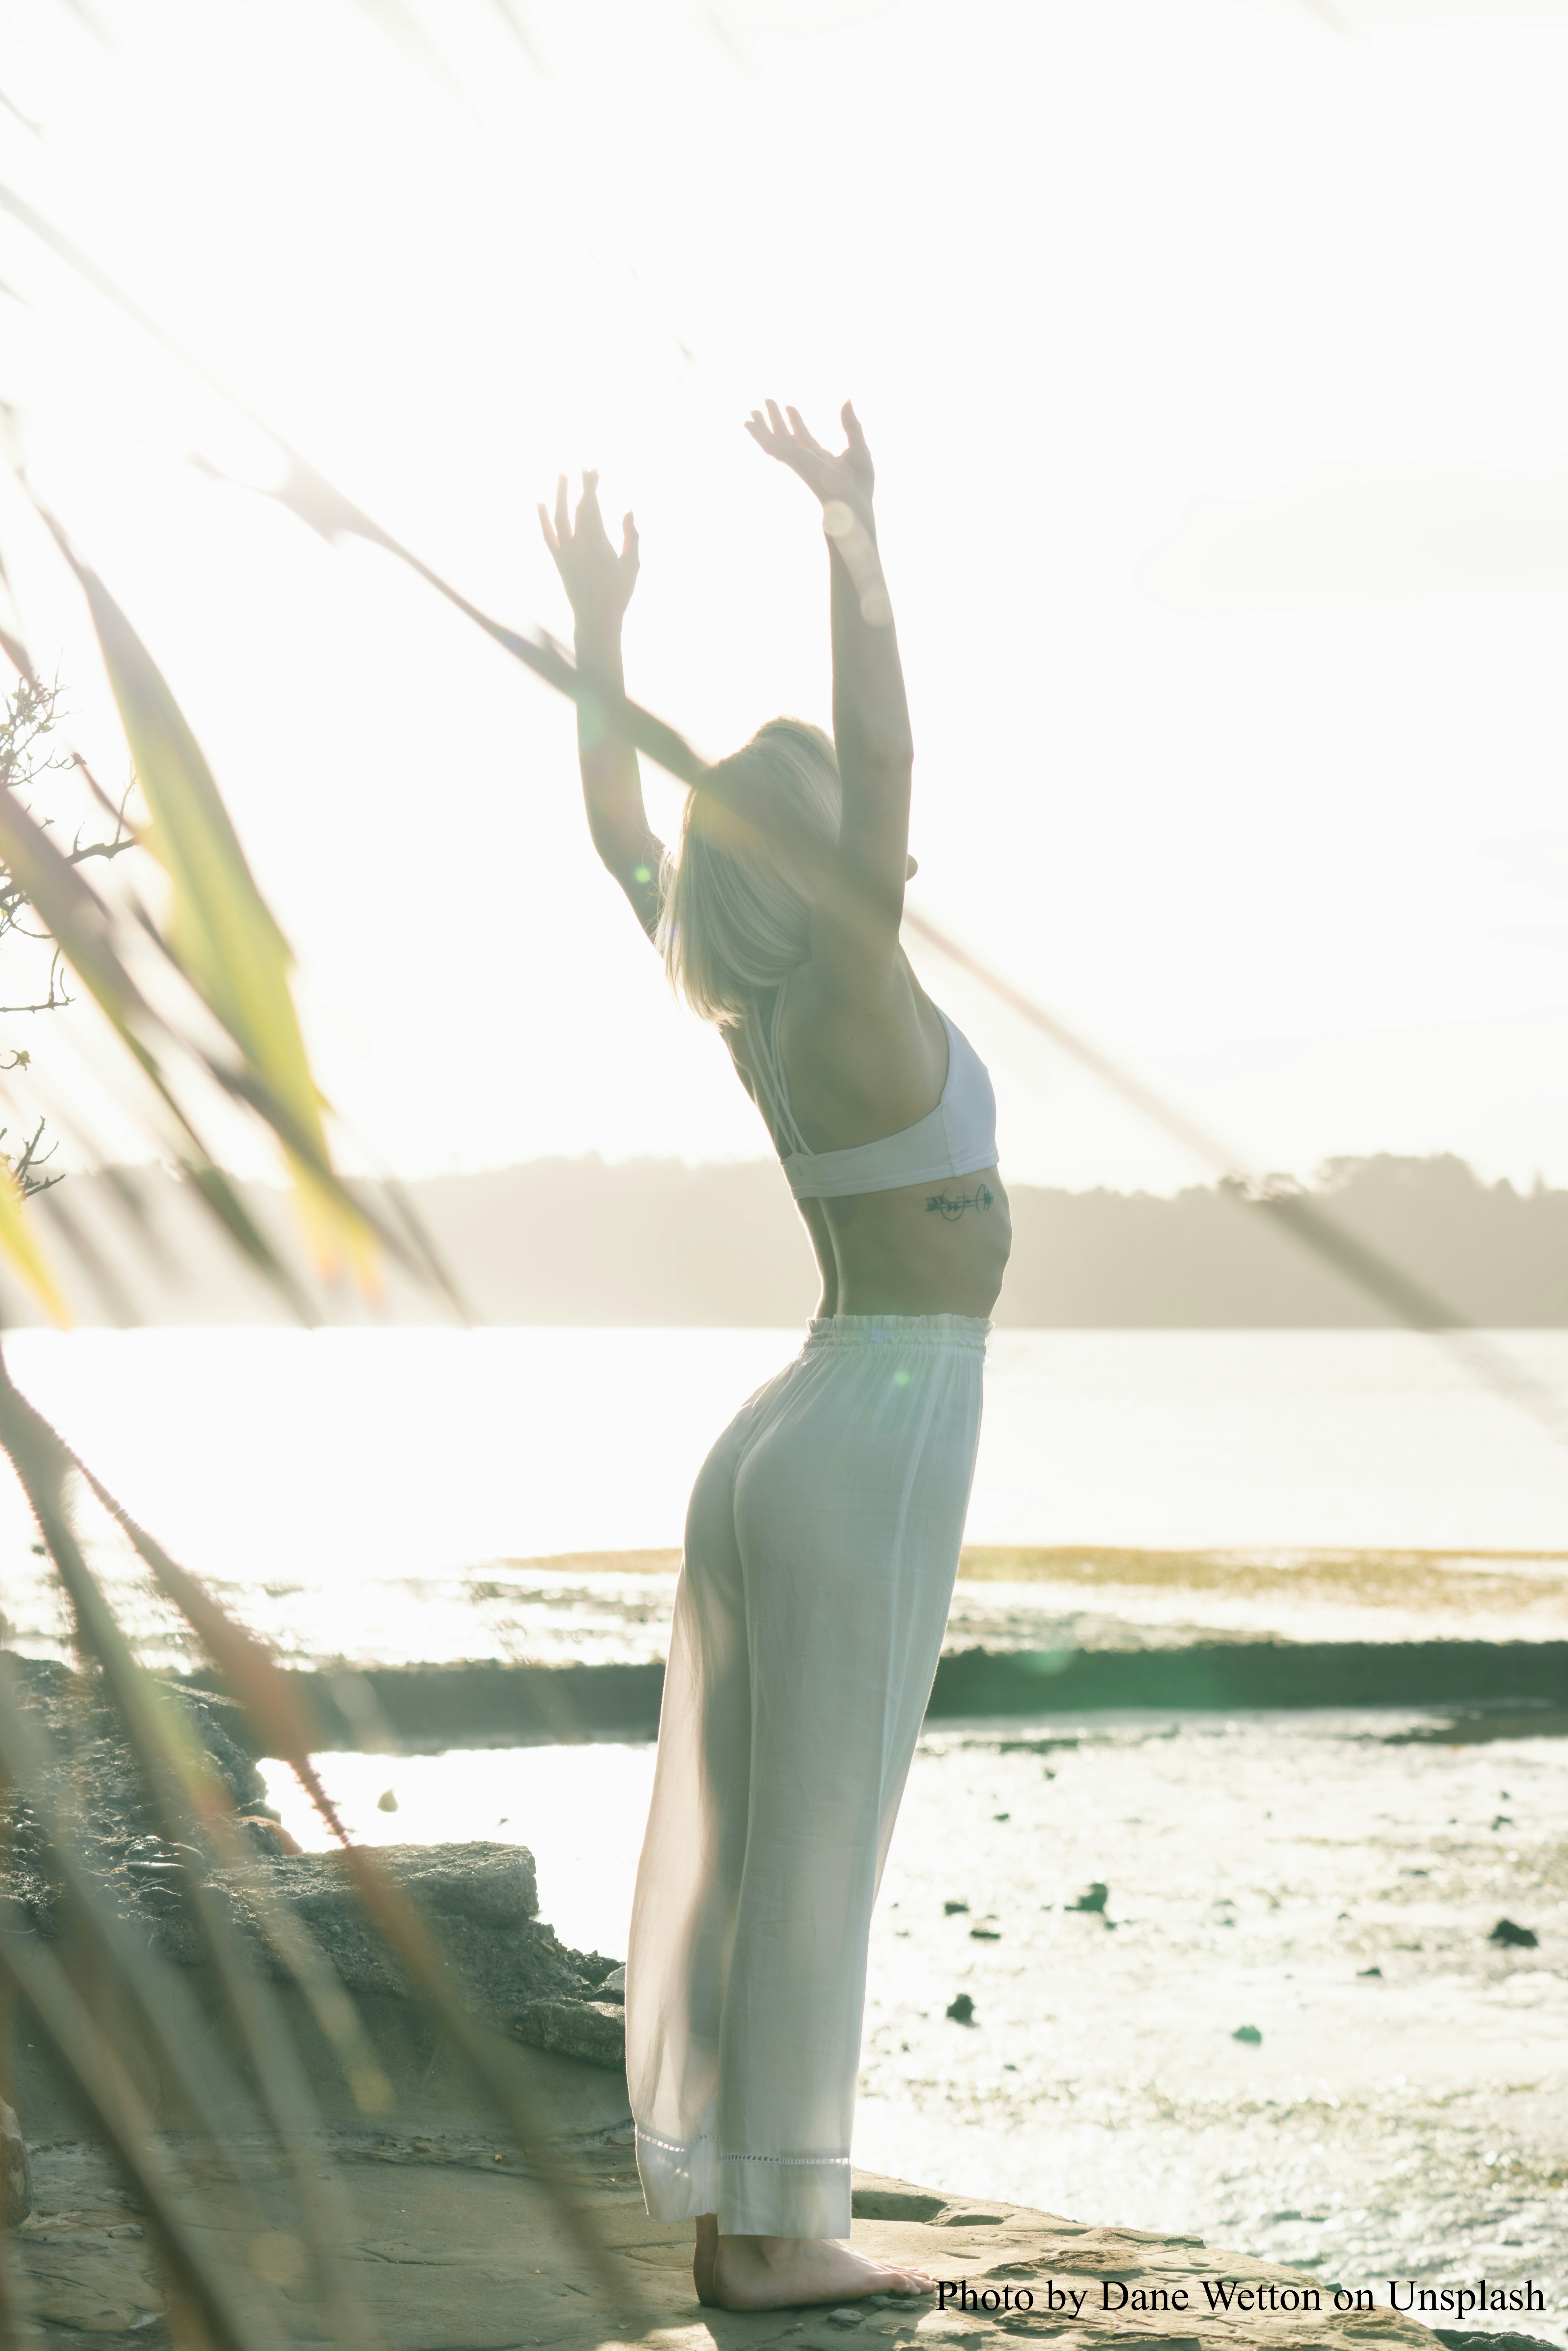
(371, 1494)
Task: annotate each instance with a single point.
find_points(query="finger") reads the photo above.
(775, 418)
(851, 426)
(562, 516)
(587, 503)
(551, 541)
(798, 425)
(756, 424)
(629, 541)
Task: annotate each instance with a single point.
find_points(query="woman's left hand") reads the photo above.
(847, 479)
(598, 581)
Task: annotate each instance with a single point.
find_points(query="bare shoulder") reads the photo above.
(829, 987)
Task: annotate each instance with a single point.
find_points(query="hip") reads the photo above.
(866, 1395)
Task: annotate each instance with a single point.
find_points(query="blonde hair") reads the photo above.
(733, 921)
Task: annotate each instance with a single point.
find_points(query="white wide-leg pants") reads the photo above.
(822, 1544)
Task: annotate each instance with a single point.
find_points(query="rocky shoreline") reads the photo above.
(488, 1703)
(481, 1899)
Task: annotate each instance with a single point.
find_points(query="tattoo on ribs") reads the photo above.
(950, 1206)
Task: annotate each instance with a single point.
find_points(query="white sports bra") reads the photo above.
(957, 1138)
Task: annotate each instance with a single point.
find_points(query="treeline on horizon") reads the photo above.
(659, 1242)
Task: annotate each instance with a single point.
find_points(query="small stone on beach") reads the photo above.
(1519, 1939)
(962, 2009)
(951, 1909)
(268, 1835)
(386, 1802)
(1247, 2032)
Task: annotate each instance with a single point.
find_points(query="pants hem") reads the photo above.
(784, 2196)
(679, 2183)
(753, 2195)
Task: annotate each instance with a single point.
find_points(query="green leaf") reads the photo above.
(20, 1245)
(222, 932)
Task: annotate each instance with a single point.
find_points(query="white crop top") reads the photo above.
(957, 1138)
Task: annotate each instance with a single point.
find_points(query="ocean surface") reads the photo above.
(419, 1494)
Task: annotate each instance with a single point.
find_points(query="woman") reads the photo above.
(823, 1537)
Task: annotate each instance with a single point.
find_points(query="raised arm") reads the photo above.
(599, 583)
(859, 915)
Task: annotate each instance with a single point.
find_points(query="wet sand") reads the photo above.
(613, 1607)
(1332, 1882)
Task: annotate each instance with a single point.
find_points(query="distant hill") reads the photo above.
(654, 1242)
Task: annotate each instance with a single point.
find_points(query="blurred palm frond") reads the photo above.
(221, 933)
(398, 24)
(198, 1819)
(224, 941)
(20, 1245)
(214, 1007)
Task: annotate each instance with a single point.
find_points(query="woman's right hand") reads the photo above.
(598, 581)
(845, 483)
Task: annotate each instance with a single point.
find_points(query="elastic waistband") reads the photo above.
(969, 1331)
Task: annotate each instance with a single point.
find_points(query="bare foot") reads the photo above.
(703, 2259)
(779, 2272)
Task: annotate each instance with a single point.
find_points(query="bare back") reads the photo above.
(855, 1073)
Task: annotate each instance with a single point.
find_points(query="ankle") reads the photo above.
(775, 2252)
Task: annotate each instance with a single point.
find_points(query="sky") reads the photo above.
(1210, 352)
